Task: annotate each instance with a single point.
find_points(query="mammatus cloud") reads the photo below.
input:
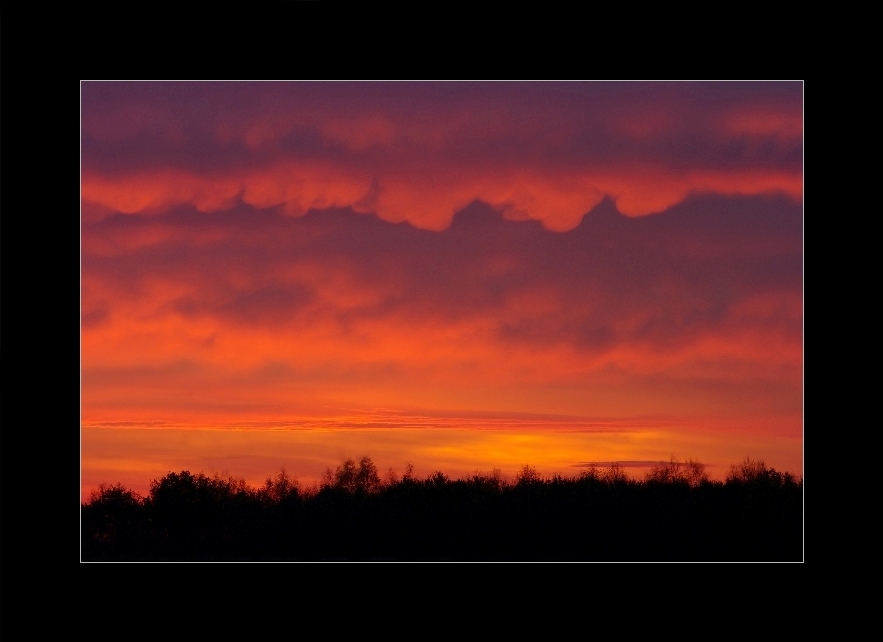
(421, 152)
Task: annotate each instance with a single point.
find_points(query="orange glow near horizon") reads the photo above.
(260, 453)
(464, 276)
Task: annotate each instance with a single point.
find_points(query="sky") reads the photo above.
(460, 275)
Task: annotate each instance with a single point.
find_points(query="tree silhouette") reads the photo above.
(112, 515)
(281, 488)
(614, 474)
(756, 472)
(675, 513)
(367, 479)
(690, 472)
(527, 476)
(353, 478)
(438, 478)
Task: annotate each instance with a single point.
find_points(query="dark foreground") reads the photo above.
(675, 514)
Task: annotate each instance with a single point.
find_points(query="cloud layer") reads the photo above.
(420, 152)
(682, 311)
(437, 256)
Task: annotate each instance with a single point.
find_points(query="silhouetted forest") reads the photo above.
(674, 514)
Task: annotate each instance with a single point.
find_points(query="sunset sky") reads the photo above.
(459, 275)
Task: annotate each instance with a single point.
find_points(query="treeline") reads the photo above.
(674, 514)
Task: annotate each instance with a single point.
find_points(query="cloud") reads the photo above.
(623, 464)
(698, 308)
(453, 274)
(421, 152)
